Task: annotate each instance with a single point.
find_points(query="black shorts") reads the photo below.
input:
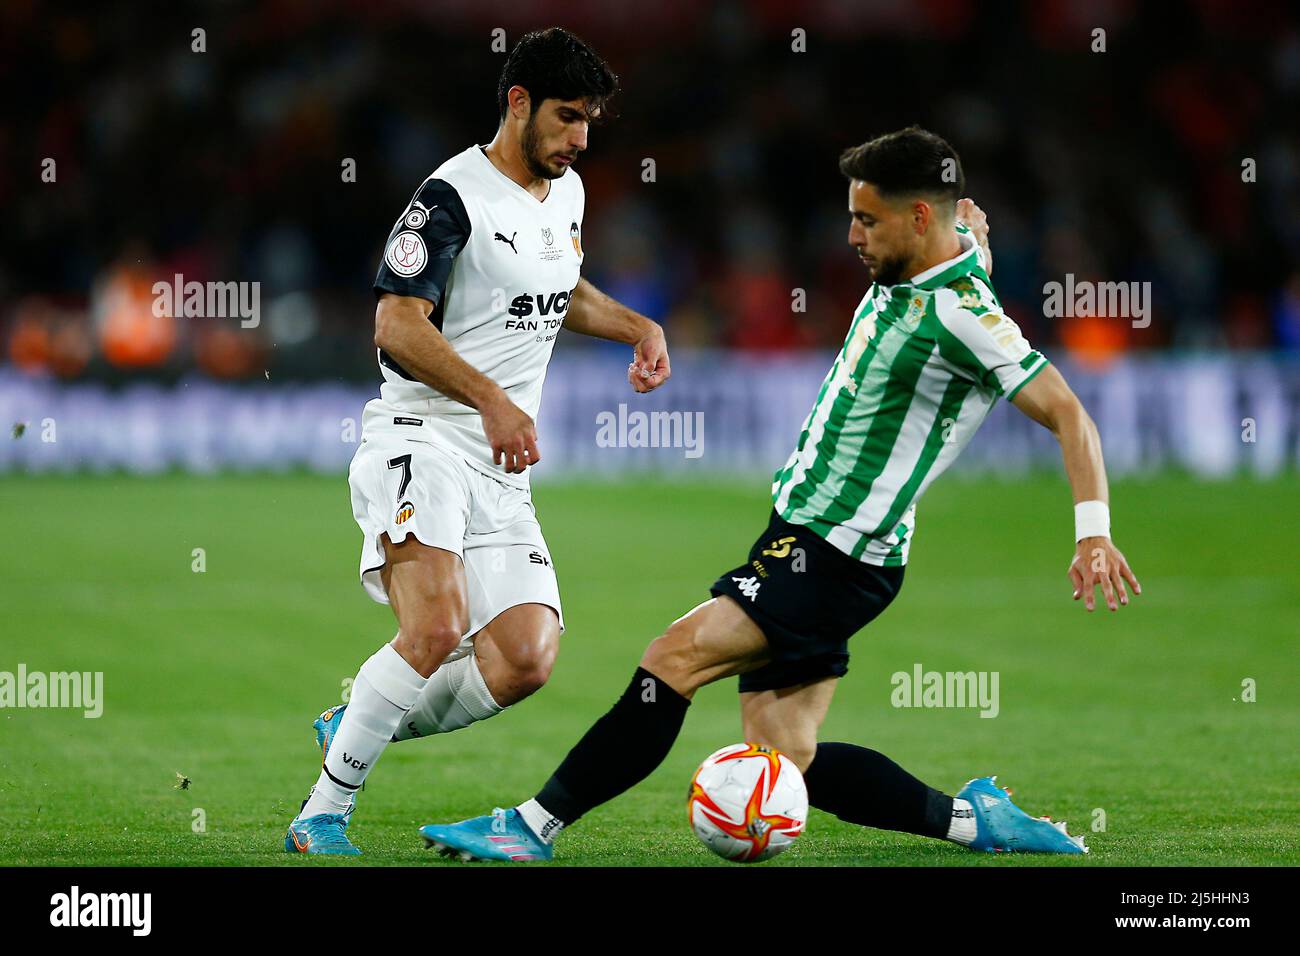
(809, 598)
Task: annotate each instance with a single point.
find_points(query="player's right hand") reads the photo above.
(973, 217)
(649, 368)
(512, 435)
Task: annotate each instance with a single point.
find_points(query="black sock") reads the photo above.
(619, 751)
(865, 787)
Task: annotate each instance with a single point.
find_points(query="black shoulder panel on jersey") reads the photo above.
(424, 245)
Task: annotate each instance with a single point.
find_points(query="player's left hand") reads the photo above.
(972, 217)
(1098, 562)
(650, 368)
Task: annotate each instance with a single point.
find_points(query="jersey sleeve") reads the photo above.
(424, 243)
(986, 344)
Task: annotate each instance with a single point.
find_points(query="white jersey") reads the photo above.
(499, 266)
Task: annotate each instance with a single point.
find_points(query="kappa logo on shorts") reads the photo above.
(749, 587)
(405, 511)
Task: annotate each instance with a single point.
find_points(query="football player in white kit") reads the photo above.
(479, 273)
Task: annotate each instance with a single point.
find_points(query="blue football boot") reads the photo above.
(1002, 827)
(323, 833)
(502, 836)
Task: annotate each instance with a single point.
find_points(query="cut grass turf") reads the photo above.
(218, 675)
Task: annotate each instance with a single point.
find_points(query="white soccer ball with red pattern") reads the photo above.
(747, 802)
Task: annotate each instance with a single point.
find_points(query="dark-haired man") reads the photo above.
(479, 273)
(928, 352)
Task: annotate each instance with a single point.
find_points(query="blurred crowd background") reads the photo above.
(226, 165)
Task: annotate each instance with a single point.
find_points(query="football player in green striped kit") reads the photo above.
(927, 354)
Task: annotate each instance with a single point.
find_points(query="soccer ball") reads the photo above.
(747, 802)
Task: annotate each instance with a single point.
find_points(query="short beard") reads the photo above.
(531, 149)
(890, 271)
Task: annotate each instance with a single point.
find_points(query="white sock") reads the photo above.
(455, 697)
(384, 690)
(540, 820)
(962, 828)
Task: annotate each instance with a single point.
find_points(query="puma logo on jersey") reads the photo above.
(418, 214)
(509, 242)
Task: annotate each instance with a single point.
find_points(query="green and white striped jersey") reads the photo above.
(922, 365)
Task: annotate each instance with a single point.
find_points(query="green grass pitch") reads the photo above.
(218, 675)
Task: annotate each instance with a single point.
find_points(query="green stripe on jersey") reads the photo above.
(946, 419)
(904, 396)
(851, 444)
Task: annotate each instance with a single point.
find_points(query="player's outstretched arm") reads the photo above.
(1048, 400)
(591, 312)
(403, 330)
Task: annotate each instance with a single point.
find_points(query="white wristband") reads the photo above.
(1091, 520)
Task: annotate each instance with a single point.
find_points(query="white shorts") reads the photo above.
(402, 487)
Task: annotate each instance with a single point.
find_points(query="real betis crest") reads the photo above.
(916, 309)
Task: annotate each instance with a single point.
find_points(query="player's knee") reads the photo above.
(517, 651)
(428, 642)
(675, 656)
(530, 669)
